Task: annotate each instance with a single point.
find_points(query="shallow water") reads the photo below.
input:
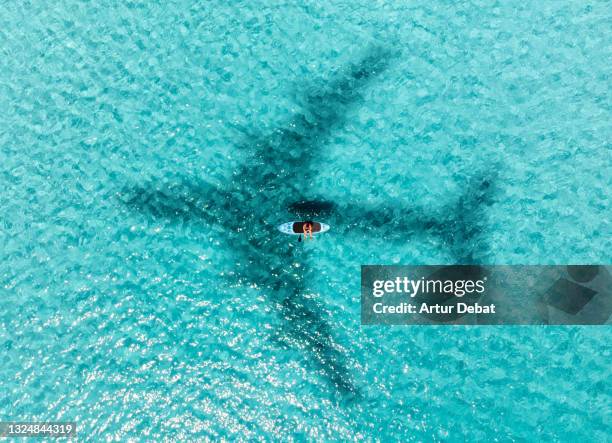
(148, 149)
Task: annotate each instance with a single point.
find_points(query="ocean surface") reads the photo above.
(148, 150)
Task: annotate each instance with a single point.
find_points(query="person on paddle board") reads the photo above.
(307, 229)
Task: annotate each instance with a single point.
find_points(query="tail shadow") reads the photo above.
(460, 225)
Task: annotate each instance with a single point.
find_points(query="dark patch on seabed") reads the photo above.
(282, 167)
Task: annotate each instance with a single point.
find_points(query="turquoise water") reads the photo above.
(148, 150)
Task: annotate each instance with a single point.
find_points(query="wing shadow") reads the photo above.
(286, 158)
(285, 290)
(305, 326)
(281, 169)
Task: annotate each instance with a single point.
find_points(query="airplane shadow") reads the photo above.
(282, 166)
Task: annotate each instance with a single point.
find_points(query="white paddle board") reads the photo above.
(295, 228)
